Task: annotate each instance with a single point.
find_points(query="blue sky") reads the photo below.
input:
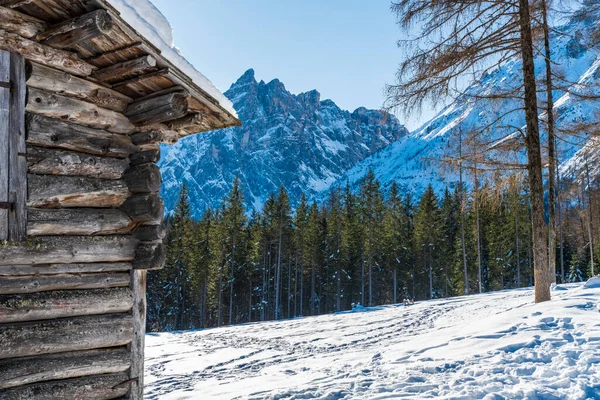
(346, 49)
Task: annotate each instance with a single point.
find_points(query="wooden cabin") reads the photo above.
(85, 101)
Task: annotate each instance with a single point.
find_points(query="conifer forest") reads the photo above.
(362, 248)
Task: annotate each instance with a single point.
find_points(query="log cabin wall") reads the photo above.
(89, 102)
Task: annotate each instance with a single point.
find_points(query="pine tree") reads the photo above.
(427, 237)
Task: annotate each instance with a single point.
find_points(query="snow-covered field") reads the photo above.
(489, 346)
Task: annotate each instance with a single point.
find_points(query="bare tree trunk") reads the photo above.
(478, 231)
(289, 286)
(462, 219)
(312, 290)
(551, 149)
(560, 227)
(296, 285)
(278, 270)
(204, 296)
(370, 281)
(220, 295)
(231, 283)
(517, 248)
(395, 286)
(362, 283)
(430, 275)
(590, 222)
(534, 156)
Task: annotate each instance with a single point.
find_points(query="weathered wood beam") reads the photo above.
(64, 304)
(54, 80)
(46, 191)
(77, 221)
(41, 283)
(158, 109)
(145, 178)
(189, 121)
(145, 157)
(138, 288)
(17, 218)
(4, 143)
(15, 3)
(126, 70)
(56, 162)
(150, 233)
(24, 371)
(97, 387)
(77, 30)
(53, 105)
(21, 24)
(144, 208)
(69, 250)
(54, 133)
(43, 54)
(65, 334)
(155, 136)
(150, 256)
(56, 269)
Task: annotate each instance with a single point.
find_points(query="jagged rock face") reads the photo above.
(299, 141)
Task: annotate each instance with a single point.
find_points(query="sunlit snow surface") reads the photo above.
(490, 346)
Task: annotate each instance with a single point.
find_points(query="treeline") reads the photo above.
(357, 248)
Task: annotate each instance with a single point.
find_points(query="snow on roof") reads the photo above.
(150, 23)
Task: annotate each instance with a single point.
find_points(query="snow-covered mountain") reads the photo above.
(299, 141)
(497, 345)
(413, 161)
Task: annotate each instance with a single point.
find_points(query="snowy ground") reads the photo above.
(490, 346)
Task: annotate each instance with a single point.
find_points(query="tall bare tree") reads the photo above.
(457, 40)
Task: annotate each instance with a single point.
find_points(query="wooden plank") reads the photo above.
(54, 133)
(46, 191)
(56, 162)
(126, 70)
(55, 269)
(54, 80)
(67, 334)
(159, 109)
(63, 304)
(138, 288)
(69, 250)
(74, 222)
(97, 387)
(17, 218)
(46, 55)
(41, 283)
(21, 24)
(23, 371)
(76, 30)
(4, 134)
(145, 178)
(52, 105)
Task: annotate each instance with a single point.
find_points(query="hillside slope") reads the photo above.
(299, 141)
(493, 345)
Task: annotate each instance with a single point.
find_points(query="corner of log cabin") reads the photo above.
(85, 102)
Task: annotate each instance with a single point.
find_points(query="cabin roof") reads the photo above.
(162, 73)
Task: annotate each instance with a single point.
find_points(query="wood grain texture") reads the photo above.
(53, 105)
(54, 133)
(4, 142)
(65, 334)
(138, 288)
(57, 162)
(56, 269)
(43, 54)
(46, 191)
(54, 80)
(27, 370)
(78, 221)
(97, 387)
(63, 304)
(17, 218)
(76, 30)
(69, 250)
(21, 24)
(44, 283)
(126, 70)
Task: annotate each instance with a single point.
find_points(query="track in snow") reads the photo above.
(466, 347)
